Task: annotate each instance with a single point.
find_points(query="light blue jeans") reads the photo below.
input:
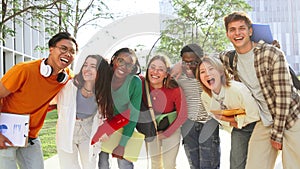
(104, 164)
(30, 157)
(239, 146)
(204, 155)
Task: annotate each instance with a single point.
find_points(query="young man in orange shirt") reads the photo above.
(28, 88)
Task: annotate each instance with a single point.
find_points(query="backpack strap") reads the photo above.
(295, 79)
(231, 56)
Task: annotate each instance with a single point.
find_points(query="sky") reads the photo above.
(121, 8)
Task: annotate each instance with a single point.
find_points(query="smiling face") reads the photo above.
(157, 72)
(239, 34)
(61, 55)
(123, 65)
(89, 69)
(210, 77)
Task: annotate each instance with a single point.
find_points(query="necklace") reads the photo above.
(87, 91)
(155, 93)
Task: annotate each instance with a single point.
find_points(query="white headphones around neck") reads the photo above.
(46, 71)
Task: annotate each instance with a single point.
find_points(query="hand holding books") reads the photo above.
(112, 125)
(4, 141)
(228, 112)
(14, 130)
(234, 116)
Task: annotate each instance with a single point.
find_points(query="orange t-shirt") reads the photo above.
(31, 93)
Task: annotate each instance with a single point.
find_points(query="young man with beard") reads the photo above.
(200, 132)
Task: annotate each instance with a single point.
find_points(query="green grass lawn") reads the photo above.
(47, 135)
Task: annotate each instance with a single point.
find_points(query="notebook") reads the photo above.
(15, 127)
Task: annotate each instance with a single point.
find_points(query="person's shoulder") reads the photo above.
(205, 96)
(70, 83)
(237, 86)
(266, 46)
(141, 77)
(173, 89)
(136, 78)
(69, 86)
(69, 72)
(27, 66)
(271, 50)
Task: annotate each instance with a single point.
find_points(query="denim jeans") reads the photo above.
(239, 146)
(201, 155)
(30, 157)
(104, 164)
(103, 160)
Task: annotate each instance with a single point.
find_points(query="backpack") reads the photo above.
(296, 81)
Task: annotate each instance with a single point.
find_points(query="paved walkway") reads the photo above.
(182, 162)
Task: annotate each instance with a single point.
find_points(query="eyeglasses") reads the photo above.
(192, 63)
(64, 49)
(159, 70)
(122, 62)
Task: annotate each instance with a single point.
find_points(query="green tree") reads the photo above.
(19, 12)
(58, 15)
(198, 21)
(75, 14)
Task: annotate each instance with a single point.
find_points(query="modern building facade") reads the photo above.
(21, 47)
(283, 18)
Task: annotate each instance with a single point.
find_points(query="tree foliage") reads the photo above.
(58, 15)
(73, 15)
(198, 21)
(21, 12)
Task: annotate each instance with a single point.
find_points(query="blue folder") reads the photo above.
(261, 32)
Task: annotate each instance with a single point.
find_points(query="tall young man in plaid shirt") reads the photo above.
(264, 70)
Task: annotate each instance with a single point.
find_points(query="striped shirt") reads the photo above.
(192, 91)
(272, 72)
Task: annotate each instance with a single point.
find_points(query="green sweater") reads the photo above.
(128, 96)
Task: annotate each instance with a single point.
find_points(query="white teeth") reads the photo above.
(121, 72)
(156, 77)
(64, 60)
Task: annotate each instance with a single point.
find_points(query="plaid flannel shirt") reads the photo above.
(275, 81)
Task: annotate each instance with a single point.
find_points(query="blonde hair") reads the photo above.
(216, 63)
